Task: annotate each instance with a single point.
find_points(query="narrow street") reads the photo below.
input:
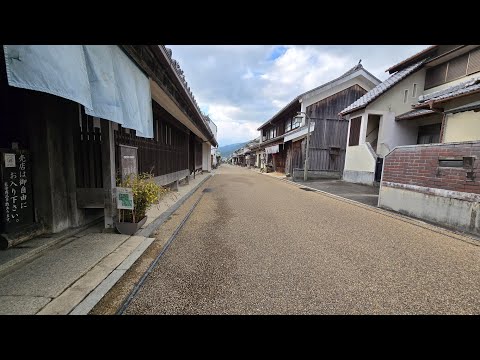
(257, 245)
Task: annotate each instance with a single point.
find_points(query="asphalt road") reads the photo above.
(257, 245)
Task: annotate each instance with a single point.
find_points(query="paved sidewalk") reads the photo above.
(70, 272)
(364, 194)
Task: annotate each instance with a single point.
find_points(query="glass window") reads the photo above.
(288, 125)
(296, 123)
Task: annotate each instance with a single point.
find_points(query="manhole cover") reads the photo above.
(207, 190)
(306, 189)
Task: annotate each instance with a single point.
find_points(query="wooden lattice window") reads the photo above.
(435, 76)
(474, 62)
(457, 68)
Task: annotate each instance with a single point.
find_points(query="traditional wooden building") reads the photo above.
(76, 117)
(282, 138)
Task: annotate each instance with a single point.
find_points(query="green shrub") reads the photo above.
(145, 193)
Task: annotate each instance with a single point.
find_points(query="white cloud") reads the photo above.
(299, 70)
(248, 74)
(243, 86)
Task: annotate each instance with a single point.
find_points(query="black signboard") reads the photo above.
(16, 190)
(128, 160)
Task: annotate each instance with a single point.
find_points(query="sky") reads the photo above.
(242, 86)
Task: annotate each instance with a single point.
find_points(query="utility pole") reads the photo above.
(305, 170)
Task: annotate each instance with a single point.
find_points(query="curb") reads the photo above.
(94, 297)
(154, 225)
(447, 232)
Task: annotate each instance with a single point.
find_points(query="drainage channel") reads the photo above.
(152, 266)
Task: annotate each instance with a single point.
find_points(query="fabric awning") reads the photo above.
(100, 77)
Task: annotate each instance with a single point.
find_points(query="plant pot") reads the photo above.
(129, 228)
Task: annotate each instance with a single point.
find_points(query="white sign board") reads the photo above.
(9, 160)
(272, 149)
(124, 198)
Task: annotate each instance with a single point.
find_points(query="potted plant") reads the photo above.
(145, 193)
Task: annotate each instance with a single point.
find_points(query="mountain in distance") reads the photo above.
(227, 150)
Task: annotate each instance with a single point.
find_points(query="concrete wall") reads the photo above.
(441, 208)
(360, 163)
(298, 174)
(206, 157)
(463, 126)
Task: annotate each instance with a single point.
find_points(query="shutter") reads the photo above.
(435, 76)
(474, 62)
(457, 67)
(354, 131)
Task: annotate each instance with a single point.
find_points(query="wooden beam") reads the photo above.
(108, 173)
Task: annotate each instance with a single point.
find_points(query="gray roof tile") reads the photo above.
(453, 91)
(381, 88)
(414, 113)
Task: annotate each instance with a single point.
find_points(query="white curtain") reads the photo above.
(100, 77)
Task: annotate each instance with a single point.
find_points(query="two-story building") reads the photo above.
(389, 116)
(76, 117)
(438, 179)
(282, 137)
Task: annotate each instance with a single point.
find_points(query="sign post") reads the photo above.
(16, 199)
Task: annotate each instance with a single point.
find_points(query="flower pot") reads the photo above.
(129, 228)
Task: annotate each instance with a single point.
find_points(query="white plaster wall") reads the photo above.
(359, 158)
(392, 100)
(206, 157)
(395, 133)
(460, 214)
(464, 126)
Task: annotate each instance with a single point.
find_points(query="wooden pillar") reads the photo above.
(108, 172)
(442, 128)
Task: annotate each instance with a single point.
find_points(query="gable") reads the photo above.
(332, 105)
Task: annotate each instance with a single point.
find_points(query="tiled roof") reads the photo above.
(451, 92)
(349, 72)
(414, 113)
(381, 88)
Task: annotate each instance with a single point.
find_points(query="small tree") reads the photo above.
(145, 193)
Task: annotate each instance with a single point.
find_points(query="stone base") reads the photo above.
(359, 177)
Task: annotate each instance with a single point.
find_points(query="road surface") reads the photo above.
(257, 245)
